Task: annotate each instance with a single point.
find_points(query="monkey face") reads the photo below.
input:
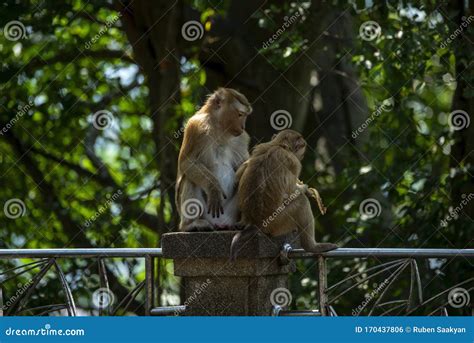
(300, 148)
(234, 115)
(293, 140)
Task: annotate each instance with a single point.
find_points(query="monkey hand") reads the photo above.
(301, 187)
(214, 202)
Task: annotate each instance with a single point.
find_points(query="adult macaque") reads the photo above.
(215, 144)
(271, 197)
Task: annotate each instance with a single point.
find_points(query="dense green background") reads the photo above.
(131, 58)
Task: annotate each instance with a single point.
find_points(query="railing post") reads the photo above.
(322, 285)
(149, 283)
(213, 286)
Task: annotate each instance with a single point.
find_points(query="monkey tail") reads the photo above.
(240, 239)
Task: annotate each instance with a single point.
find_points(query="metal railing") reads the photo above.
(406, 259)
(49, 257)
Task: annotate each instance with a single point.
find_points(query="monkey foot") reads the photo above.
(199, 225)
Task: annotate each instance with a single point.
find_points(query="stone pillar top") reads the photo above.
(216, 244)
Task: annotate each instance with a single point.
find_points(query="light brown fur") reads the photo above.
(214, 146)
(270, 195)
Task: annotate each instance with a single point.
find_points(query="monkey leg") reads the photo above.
(299, 214)
(192, 209)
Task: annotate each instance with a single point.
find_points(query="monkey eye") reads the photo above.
(241, 113)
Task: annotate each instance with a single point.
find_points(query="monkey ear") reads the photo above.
(218, 97)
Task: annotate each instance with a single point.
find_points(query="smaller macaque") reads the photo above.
(271, 197)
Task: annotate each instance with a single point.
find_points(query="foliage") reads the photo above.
(76, 59)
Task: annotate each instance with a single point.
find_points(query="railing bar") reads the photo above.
(412, 286)
(299, 313)
(1, 301)
(397, 265)
(296, 253)
(393, 277)
(31, 264)
(393, 308)
(51, 310)
(71, 306)
(322, 285)
(392, 302)
(385, 252)
(440, 294)
(364, 272)
(149, 281)
(16, 306)
(132, 295)
(168, 310)
(394, 265)
(78, 252)
(49, 307)
(39, 264)
(158, 282)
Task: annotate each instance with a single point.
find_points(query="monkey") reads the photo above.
(214, 146)
(271, 198)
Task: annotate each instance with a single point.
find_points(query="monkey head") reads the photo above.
(230, 110)
(292, 141)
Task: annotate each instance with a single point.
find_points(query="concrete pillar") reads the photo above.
(213, 286)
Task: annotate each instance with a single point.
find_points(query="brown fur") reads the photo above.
(214, 146)
(268, 183)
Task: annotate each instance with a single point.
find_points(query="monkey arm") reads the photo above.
(194, 160)
(200, 175)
